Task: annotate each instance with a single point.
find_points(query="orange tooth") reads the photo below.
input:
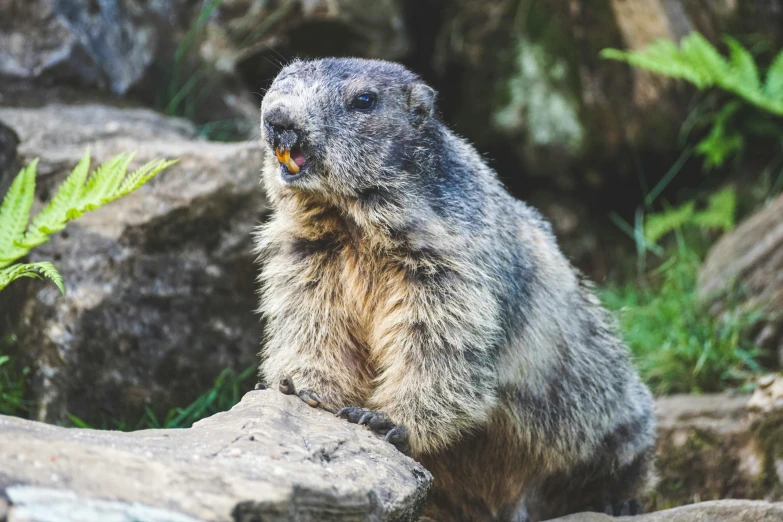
(284, 157)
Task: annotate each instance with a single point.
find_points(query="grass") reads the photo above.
(226, 391)
(678, 346)
(13, 381)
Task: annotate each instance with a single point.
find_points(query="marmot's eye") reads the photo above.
(364, 102)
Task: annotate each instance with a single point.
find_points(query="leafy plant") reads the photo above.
(699, 62)
(12, 381)
(80, 192)
(719, 214)
(677, 347)
(753, 110)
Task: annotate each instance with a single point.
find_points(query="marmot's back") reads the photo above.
(403, 283)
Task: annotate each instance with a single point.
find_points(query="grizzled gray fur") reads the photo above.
(403, 286)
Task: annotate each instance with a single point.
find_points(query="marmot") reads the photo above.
(403, 283)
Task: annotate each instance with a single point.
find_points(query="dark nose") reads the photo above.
(281, 129)
(279, 119)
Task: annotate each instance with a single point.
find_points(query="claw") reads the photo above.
(310, 397)
(377, 421)
(286, 385)
(352, 414)
(307, 395)
(398, 437)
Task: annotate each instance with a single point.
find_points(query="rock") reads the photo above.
(8, 164)
(715, 511)
(746, 265)
(712, 447)
(160, 284)
(270, 458)
(767, 398)
(258, 37)
(97, 43)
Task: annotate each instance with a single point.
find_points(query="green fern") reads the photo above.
(719, 213)
(35, 270)
(79, 193)
(699, 62)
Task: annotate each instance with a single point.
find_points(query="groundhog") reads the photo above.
(405, 287)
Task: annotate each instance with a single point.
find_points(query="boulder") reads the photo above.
(8, 164)
(746, 266)
(160, 284)
(270, 458)
(715, 511)
(108, 44)
(257, 38)
(719, 446)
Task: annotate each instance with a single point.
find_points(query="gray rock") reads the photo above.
(8, 164)
(97, 43)
(746, 265)
(713, 447)
(246, 31)
(715, 511)
(270, 458)
(160, 284)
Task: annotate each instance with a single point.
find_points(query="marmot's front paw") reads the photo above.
(307, 395)
(379, 422)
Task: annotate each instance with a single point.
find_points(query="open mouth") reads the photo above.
(293, 159)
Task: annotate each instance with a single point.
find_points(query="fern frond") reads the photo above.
(15, 213)
(697, 53)
(141, 176)
(78, 194)
(698, 62)
(661, 57)
(51, 219)
(658, 225)
(104, 182)
(44, 268)
(721, 142)
(107, 183)
(720, 211)
(743, 66)
(774, 85)
(721, 207)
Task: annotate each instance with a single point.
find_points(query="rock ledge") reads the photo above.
(270, 458)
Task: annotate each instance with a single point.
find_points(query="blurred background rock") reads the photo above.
(158, 327)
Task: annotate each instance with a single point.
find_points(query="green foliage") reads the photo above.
(719, 214)
(699, 62)
(79, 193)
(12, 381)
(226, 391)
(178, 89)
(677, 346)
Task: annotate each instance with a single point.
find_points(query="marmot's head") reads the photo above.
(345, 127)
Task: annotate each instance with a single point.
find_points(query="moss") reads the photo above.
(702, 468)
(538, 100)
(768, 434)
(541, 93)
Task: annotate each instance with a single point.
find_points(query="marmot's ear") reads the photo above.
(421, 103)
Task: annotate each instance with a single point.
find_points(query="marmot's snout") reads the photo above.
(286, 138)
